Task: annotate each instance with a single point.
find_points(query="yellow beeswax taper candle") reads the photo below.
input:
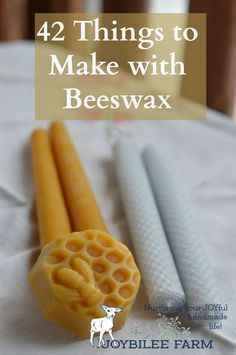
(82, 205)
(51, 210)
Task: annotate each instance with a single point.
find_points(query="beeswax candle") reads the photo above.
(191, 261)
(82, 205)
(50, 202)
(154, 257)
(78, 272)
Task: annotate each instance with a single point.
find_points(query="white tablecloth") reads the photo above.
(206, 154)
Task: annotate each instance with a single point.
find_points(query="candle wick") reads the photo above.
(115, 130)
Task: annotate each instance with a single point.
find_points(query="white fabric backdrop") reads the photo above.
(206, 154)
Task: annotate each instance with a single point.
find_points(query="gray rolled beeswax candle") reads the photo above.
(195, 273)
(153, 254)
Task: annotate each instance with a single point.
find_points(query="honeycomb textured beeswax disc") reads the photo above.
(77, 273)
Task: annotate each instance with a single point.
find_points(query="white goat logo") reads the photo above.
(103, 325)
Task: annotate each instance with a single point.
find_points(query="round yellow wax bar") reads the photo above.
(79, 272)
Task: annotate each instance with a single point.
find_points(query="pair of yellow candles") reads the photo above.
(58, 171)
(80, 266)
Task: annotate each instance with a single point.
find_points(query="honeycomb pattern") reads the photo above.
(190, 257)
(154, 257)
(77, 273)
